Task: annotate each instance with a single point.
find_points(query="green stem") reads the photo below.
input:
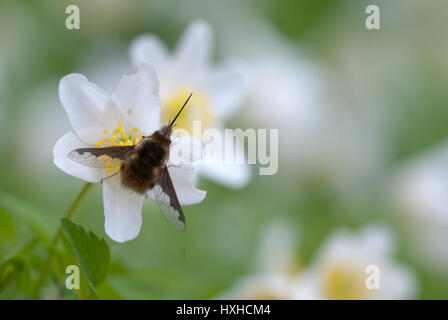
(52, 248)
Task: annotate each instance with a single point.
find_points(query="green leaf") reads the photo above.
(92, 252)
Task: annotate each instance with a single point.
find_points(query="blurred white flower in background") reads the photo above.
(282, 94)
(317, 137)
(285, 88)
(217, 91)
(275, 269)
(338, 271)
(122, 118)
(321, 133)
(420, 192)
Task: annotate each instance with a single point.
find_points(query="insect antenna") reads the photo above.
(175, 118)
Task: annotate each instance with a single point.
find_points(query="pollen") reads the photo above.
(120, 138)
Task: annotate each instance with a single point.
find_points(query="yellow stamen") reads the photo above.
(119, 138)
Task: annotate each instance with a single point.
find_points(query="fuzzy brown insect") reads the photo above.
(140, 172)
(142, 168)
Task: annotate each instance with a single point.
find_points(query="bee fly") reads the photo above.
(142, 168)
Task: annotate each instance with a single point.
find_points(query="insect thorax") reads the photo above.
(152, 153)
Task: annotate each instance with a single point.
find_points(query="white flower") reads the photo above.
(217, 91)
(275, 270)
(420, 192)
(99, 119)
(339, 269)
(290, 91)
(106, 72)
(316, 139)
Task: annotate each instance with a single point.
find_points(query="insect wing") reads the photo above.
(166, 198)
(107, 157)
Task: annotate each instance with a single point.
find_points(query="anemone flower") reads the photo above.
(100, 119)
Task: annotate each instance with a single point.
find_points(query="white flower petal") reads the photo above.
(194, 48)
(122, 210)
(234, 175)
(87, 107)
(397, 282)
(137, 96)
(182, 178)
(183, 182)
(231, 175)
(378, 240)
(148, 49)
(278, 246)
(62, 148)
(225, 87)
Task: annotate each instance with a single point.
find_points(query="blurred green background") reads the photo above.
(384, 99)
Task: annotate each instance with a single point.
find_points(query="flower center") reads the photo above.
(118, 137)
(121, 137)
(343, 283)
(198, 109)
